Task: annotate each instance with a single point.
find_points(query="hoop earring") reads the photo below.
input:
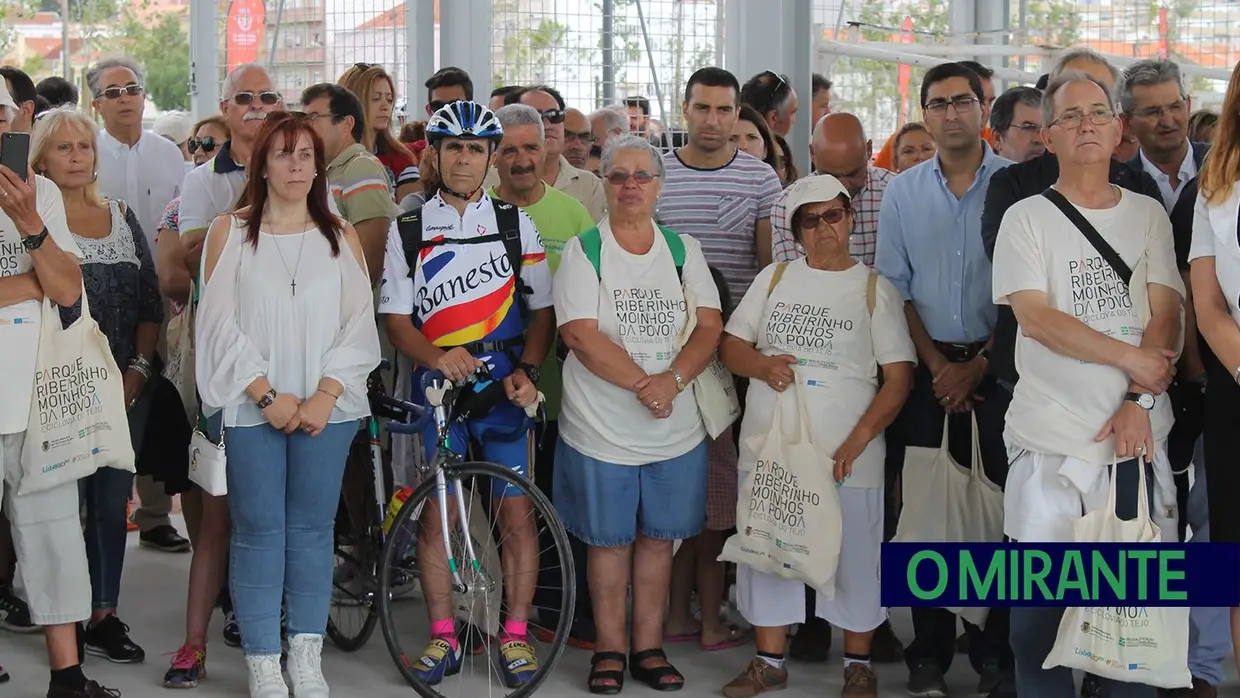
(94, 177)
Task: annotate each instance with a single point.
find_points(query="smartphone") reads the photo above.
(15, 152)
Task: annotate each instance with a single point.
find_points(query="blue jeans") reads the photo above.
(105, 494)
(283, 491)
(1209, 629)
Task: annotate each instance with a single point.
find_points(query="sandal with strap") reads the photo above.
(596, 677)
(654, 676)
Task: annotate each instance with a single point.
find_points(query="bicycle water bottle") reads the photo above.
(398, 500)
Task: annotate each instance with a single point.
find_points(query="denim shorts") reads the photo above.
(606, 505)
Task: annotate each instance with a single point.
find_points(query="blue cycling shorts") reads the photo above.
(505, 434)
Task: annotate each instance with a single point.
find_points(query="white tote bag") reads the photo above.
(78, 422)
(179, 369)
(714, 389)
(788, 520)
(1144, 645)
(954, 504)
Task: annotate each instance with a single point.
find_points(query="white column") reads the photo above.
(204, 59)
(775, 35)
(465, 41)
(419, 54)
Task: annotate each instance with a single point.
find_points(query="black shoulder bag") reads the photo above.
(1108, 253)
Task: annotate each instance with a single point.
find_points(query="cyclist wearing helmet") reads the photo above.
(466, 283)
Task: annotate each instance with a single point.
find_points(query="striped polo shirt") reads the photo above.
(720, 209)
(359, 185)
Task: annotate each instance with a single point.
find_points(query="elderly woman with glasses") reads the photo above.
(828, 328)
(631, 461)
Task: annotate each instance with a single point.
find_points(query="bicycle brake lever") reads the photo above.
(437, 391)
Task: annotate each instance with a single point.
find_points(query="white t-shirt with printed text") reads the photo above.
(639, 305)
(19, 323)
(1061, 403)
(822, 318)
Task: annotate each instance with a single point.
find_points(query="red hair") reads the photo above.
(280, 132)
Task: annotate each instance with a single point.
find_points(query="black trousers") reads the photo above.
(549, 594)
(920, 423)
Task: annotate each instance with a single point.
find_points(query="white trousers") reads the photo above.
(768, 600)
(47, 536)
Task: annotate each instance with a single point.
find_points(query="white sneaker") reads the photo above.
(305, 666)
(266, 679)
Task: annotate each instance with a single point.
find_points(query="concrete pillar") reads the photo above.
(465, 41)
(419, 55)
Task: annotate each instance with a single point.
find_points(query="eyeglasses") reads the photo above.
(366, 66)
(832, 215)
(642, 178)
(312, 116)
(1027, 127)
(1098, 117)
(959, 104)
(554, 116)
(133, 90)
(437, 105)
(245, 99)
(1156, 113)
(207, 144)
(583, 136)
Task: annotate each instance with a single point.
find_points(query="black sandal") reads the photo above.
(616, 675)
(653, 676)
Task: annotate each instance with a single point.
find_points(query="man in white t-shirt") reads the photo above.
(1093, 369)
(38, 259)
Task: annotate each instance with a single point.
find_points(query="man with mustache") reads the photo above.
(559, 218)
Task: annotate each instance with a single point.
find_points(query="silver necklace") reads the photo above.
(292, 275)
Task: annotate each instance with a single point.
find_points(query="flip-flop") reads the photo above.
(694, 636)
(736, 638)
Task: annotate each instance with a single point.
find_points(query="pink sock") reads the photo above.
(444, 629)
(515, 628)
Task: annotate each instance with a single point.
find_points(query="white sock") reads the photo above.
(773, 662)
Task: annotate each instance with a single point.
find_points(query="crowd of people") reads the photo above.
(251, 270)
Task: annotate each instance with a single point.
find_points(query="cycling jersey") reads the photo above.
(464, 293)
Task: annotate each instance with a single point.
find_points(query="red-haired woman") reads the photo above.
(286, 336)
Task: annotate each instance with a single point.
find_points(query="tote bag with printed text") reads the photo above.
(1135, 644)
(788, 519)
(78, 422)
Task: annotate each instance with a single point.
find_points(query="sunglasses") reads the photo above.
(207, 144)
(642, 177)
(554, 116)
(832, 215)
(133, 90)
(437, 105)
(245, 99)
(583, 136)
(366, 66)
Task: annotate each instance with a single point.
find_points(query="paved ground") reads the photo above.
(153, 604)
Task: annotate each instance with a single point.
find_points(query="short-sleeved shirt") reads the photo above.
(210, 190)
(359, 186)
(639, 305)
(1215, 235)
(559, 218)
(720, 208)
(1061, 403)
(464, 293)
(400, 169)
(823, 319)
(19, 323)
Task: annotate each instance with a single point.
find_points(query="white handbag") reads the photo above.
(208, 464)
(714, 389)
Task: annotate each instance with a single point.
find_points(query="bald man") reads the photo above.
(578, 137)
(841, 149)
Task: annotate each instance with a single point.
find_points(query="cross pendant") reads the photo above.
(294, 285)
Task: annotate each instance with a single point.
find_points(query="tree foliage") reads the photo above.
(1052, 23)
(162, 49)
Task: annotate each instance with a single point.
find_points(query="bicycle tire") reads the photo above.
(345, 641)
(542, 505)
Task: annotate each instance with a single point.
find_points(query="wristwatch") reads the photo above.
(34, 242)
(266, 400)
(531, 371)
(1144, 400)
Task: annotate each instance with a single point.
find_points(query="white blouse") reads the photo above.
(251, 323)
(1215, 235)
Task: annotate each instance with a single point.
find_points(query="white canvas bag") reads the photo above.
(78, 421)
(714, 389)
(788, 519)
(1144, 645)
(954, 504)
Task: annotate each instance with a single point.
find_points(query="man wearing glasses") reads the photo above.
(930, 247)
(1016, 120)
(578, 137)
(1091, 407)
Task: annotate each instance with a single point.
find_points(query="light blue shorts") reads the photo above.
(606, 505)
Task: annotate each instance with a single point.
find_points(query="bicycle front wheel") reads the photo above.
(521, 567)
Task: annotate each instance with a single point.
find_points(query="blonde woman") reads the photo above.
(377, 93)
(119, 273)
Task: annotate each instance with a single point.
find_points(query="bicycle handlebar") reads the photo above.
(421, 416)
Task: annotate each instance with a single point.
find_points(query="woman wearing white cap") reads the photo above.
(827, 325)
